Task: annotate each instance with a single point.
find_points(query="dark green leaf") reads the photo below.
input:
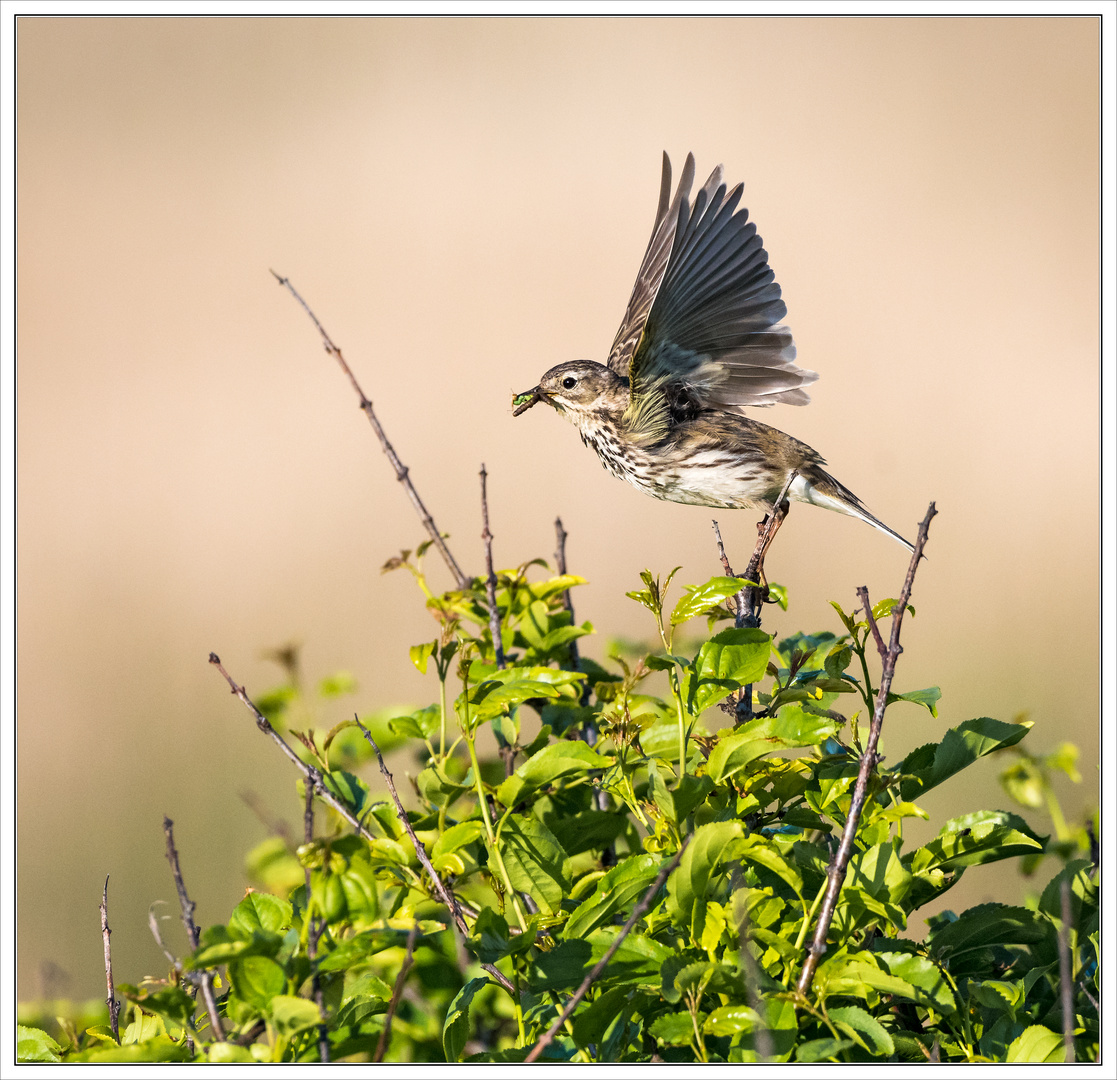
(863, 1028)
(929, 766)
(553, 762)
(617, 891)
(535, 861)
(455, 1030)
(257, 979)
(791, 727)
(821, 1049)
(725, 663)
(686, 887)
(591, 1023)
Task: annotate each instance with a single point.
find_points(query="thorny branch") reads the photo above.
(397, 993)
(645, 902)
(490, 578)
(110, 988)
(840, 863)
(314, 778)
(205, 978)
(447, 896)
(402, 474)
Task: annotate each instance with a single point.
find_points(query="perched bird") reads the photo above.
(701, 341)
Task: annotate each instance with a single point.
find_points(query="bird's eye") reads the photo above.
(569, 382)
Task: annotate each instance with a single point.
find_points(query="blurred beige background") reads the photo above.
(465, 203)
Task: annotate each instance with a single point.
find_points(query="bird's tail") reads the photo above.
(818, 487)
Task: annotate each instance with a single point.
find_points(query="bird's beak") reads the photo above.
(522, 402)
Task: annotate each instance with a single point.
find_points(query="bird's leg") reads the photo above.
(756, 595)
(752, 597)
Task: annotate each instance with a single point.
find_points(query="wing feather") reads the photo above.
(653, 266)
(705, 313)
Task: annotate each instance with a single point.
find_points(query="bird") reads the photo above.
(701, 340)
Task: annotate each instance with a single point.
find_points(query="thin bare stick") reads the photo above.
(567, 602)
(490, 579)
(863, 596)
(110, 988)
(721, 553)
(205, 978)
(840, 863)
(397, 993)
(401, 470)
(645, 902)
(446, 895)
(1066, 988)
(313, 932)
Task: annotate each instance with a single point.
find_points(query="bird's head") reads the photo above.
(577, 390)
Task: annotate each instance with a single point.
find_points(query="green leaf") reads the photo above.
(791, 727)
(591, 1023)
(351, 951)
(553, 762)
(171, 1003)
(928, 766)
(673, 1029)
(760, 851)
(821, 1049)
(589, 830)
(491, 940)
(260, 912)
(864, 1029)
(562, 968)
(618, 891)
(883, 608)
(1036, 1043)
(34, 1044)
(535, 861)
(455, 1029)
(731, 1020)
(698, 599)
(457, 836)
(686, 887)
(725, 663)
(257, 979)
(983, 926)
(983, 837)
(420, 654)
(638, 960)
(293, 1014)
(928, 698)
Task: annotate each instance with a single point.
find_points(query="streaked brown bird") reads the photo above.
(700, 342)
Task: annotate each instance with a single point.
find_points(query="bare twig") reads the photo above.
(446, 895)
(840, 863)
(863, 596)
(397, 993)
(313, 932)
(721, 553)
(645, 902)
(1066, 987)
(110, 988)
(567, 602)
(401, 470)
(205, 978)
(490, 578)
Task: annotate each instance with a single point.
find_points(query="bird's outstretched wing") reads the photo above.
(702, 329)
